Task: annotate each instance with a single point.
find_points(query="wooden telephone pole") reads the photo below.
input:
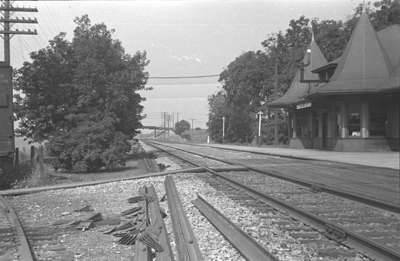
(6, 90)
(6, 8)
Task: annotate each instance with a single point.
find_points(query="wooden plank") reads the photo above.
(157, 221)
(143, 252)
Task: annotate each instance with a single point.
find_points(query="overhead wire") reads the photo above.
(185, 77)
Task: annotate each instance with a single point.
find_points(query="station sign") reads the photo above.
(303, 105)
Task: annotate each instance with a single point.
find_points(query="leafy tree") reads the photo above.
(81, 97)
(244, 86)
(181, 126)
(217, 110)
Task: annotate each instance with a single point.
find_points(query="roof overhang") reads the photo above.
(325, 67)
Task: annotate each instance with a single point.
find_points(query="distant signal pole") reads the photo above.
(223, 129)
(192, 124)
(6, 89)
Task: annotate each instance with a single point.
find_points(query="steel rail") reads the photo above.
(24, 249)
(319, 186)
(157, 221)
(333, 231)
(247, 246)
(16, 192)
(186, 243)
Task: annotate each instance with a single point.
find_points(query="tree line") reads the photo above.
(249, 79)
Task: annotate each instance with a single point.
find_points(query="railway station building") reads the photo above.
(351, 103)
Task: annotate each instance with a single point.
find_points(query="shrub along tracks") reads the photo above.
(370, 231)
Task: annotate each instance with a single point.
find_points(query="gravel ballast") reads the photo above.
(45, 209)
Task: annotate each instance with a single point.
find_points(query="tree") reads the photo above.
(81, 97)
(244, 86)
(181, 126)
(217, 110)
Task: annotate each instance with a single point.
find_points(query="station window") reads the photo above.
(377, 119)
(354, 120)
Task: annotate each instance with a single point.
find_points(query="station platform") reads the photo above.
(389, 159)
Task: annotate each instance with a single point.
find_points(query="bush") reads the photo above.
(89, 149)
(181, 126)
(186, 136)
(10, 175)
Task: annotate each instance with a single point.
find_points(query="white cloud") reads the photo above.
(188, 58)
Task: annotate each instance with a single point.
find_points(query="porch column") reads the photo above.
(396, 121)
(364, 119)
(294, 124)
(289, 123)
(331, 122)
(320, 122)
(343, 123)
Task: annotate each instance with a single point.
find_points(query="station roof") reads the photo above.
(298, 90)
(364, 65)
(390, 39)
(394, 82)
(295, 94)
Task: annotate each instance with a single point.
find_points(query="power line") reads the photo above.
(185, 77)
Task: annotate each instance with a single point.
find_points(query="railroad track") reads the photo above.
(13, 239)
(19, 240)
(370, 231)
(319, 185)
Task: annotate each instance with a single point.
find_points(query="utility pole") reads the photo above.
(7, 22)
(192, 124)
(6, 88)
(173, 120)
(276, 127)
(260, 113)
(223, 129)
(168, 121)
(163, 116)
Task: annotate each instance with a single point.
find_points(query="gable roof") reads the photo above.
(364, 65)
(298, 90)
(316, 59)
(293, 95)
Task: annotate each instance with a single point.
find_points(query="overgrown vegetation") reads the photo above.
(249, 79)
(181, 126)
(81, 97)
(10, 176)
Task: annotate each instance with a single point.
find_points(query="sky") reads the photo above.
(181, 38)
